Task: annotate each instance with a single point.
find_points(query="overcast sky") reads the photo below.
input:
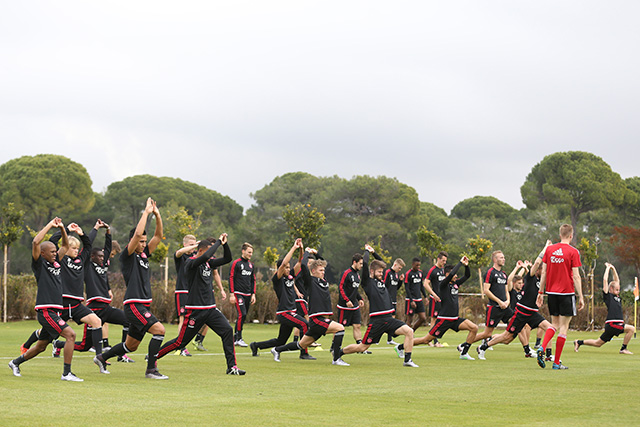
(455, 98)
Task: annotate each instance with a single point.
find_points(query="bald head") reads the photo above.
(48, 251)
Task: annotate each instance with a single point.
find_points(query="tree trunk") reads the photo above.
(480, 280)
(574, 224)
(4, 283)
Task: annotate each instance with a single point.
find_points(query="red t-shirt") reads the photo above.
(560, 259)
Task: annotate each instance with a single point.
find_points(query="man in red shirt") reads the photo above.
(561, 281)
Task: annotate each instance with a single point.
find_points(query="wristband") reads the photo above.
(540, 293)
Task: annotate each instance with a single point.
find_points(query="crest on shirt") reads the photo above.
(143, 255)
(55, 264)
(147, 315)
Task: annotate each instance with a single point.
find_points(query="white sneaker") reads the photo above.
(392, 342)
(101, 365)
(399, 352)
(15, 368)
(340, 362)
(276, 355)
(459, 348)
(480, 353)
(71, 377)
(241, 343)
(410, 364)
(466, 357)
(154, 374)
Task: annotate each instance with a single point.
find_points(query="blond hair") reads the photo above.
(566, 230)
(73, 241)
(188, 238)
(315, 263)
(400, 262)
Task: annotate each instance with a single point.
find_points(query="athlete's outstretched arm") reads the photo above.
(139, 231)
(157, 236)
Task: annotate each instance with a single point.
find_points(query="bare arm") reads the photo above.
(605, 279)
(577, 284)
(186, 250)
(35, 244)
(284, 267)
(157, 236)
(427, 286)
(516, 269)
(486, 286)
(218, 280)
(138, 233)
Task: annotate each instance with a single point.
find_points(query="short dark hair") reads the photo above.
(378, 265)
(448, 268)
(356, 258)
(94, 251)
(133, 231)
(443, 253)
(204, 244)
(416, 259)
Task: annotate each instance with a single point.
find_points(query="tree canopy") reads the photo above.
(129, 197)
(483, 207)
(579, 180)
(44, 186)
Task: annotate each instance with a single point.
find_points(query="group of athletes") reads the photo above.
(65, 271)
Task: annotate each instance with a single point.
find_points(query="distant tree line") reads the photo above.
(342, 214)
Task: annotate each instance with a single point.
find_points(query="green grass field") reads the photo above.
(599, 388)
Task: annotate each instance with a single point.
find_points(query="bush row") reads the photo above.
(21, 298)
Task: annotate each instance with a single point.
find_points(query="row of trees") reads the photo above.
(339, 215)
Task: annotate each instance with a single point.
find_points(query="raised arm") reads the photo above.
(206, 256)
(605, 279)
(142, 223)
(85, 253)
(284, 267)
(186, 250)
(516, 269)
(159, 233)
(64, 241)
(226, 258)
(108, 242)
(93, 233)
(296, 268)
(366, 275)
(467, 272)
(35, 243)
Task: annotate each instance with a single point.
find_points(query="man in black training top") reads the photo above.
(99, 295)
(349, 299)
(201, 303)
(46, 267)
(526, 311)
(284, 285)
(320, 313)
(72, 275)
(448, 317)
(189, 247)
(134, 263)
(413, 288)
(614, 325)
(392, 280)
(242, 286)
(380, 311)
(495, 287)
(435, 275)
